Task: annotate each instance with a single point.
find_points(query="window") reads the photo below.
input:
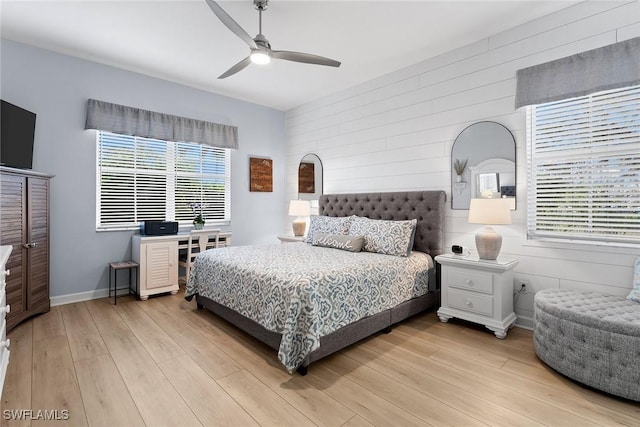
(148, 179)
(584, 168)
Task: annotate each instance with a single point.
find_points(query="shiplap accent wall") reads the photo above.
(395, 133)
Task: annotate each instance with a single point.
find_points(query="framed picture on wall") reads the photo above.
(306, 178)
(260, 174)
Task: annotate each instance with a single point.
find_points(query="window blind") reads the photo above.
(149, 179)
(584, 167)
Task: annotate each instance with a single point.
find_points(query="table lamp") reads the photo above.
(489, 212)
(299, 208)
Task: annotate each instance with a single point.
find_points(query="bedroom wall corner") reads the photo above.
(56, 87)
(395, 133)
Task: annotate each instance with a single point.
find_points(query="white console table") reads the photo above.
(158, 259)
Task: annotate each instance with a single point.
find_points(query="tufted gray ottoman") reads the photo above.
(590, 337)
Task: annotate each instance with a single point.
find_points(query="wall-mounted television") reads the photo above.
(17, 129)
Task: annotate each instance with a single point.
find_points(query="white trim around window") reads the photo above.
(583, 159)
(141, 179)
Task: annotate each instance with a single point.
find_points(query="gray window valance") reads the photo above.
(121, 119)
(609, 67)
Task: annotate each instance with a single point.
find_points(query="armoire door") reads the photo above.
(38, 245)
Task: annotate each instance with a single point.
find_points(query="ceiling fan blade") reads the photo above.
(238, 67)
(307, 58)
(231, 24)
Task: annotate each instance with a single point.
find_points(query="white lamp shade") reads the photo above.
(299, 208)
(490, 211)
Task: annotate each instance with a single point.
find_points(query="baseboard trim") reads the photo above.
(525, 323)
(522, 322)
(83, 296)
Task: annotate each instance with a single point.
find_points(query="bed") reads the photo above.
(308, 301)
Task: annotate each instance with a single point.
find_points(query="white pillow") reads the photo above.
(327, 225)
(385, 237)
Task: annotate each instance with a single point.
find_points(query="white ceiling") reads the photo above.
(183, 41)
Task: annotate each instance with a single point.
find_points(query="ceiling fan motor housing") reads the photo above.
(262, 41)
(261, 4)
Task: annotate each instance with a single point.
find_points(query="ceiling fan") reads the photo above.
(261, 52)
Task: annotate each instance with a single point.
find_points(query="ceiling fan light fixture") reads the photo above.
(261, 52)
(260, 57)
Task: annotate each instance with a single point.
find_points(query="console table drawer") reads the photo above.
(467, 301)
(470, 280)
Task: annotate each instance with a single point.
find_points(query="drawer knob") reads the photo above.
(467, 301)
(6, 343)
(469, 282)
(6, 272)
(5, 310)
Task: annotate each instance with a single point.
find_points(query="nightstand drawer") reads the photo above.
(467, 301)
(470, 280)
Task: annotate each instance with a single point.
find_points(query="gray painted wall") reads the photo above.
(56, 87)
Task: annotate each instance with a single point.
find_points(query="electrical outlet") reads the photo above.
(520, 286)
(523, 285)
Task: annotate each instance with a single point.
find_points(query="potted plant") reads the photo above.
(198, 222)
(459, 167)
(198, 219)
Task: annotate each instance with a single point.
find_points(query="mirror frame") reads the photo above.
(493, 145)
(318, 176)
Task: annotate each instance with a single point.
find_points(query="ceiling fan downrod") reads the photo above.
(261, 5)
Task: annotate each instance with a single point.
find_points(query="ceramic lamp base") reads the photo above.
(298, 227)
(488, 243)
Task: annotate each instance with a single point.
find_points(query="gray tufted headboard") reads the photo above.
(425, 206)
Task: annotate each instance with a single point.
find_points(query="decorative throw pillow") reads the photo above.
(339, 241)
(327, 225)
(385, 237)
(634, 295)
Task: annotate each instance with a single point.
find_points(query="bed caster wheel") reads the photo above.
(303, 370)
(387, 330)
(199, 306)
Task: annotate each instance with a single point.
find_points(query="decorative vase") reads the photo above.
(198, 225)
(459, 178)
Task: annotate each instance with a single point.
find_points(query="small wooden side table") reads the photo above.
(113, 271)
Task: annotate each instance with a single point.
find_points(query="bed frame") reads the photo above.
(427, 207)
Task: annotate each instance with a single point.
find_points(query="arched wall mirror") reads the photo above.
(483, 164)
(310, 177)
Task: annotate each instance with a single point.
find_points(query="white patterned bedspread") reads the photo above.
(305, 292)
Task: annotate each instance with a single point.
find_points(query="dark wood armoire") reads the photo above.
(24, 224)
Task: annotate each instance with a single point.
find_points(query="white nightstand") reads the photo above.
(287, 238)
(477, 290)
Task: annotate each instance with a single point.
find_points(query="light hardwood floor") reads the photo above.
(162, 362)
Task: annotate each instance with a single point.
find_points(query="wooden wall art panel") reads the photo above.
(306, 178)
(261, 175)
